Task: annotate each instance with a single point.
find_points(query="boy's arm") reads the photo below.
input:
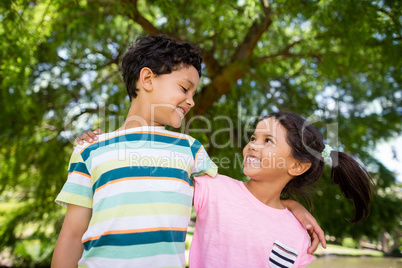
(309, 222)
(69, 247)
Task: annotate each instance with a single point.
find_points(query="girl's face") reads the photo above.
(268, 155)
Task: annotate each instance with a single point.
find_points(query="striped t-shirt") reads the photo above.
(137, 183)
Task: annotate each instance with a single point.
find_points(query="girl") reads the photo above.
(245, 224)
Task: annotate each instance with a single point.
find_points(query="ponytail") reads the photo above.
(354, 181)
(307, 146)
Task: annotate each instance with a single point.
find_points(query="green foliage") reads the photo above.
(334, 62)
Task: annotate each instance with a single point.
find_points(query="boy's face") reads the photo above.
(172, 96)
(267, 155)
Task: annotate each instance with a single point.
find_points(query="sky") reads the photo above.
(384, 153)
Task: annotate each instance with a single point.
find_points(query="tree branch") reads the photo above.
(255, 32)
(283, 52)
(132, 12)
(210, 62)
(223, 78)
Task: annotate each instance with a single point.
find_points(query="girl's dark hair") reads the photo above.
(161, 54)
(307, 143)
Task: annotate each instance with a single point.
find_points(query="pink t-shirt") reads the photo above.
(234, 229)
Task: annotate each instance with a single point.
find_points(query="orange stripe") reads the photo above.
(80, 173)
(149, 132)
(140, 178)
(196, 155)
(132, 231)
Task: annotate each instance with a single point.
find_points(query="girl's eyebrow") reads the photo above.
(266, 135)
(269, 135)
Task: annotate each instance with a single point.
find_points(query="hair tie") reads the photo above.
(326, 154)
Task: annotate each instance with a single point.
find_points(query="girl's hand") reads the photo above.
(309, 222)
(89, 136)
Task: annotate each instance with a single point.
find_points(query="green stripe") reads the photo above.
(65, 198)
(142, 198)
(76, 157)
(136, 251)
(140, 210)
(77, 189)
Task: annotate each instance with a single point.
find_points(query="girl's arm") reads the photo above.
(89, 136)
(69, 247)
(309, 222)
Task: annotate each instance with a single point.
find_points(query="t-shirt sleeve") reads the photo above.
(200, 193)
(305, 258)
(203, 165)
(78, 188)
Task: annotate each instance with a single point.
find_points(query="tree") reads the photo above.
(335, 62)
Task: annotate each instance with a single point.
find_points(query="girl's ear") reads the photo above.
(298, 168)
(145, 78)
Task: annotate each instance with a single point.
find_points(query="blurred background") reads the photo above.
(337, 63)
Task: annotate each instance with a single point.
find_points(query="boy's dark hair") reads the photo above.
(306, 143)
(161, 54)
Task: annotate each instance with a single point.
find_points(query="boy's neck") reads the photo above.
(138, 116)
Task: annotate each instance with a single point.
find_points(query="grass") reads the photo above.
(346, 251)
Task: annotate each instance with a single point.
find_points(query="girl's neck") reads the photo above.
(266, 193)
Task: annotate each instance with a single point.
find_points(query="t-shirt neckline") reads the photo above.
(142, 128)
(257, 202)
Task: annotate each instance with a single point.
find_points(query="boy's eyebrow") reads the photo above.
(191, 82)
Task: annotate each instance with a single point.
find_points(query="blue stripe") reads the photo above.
(80, 167)
(277, 263)
(140, 171)
(137, 239)
(135, 137)
(142, 198)
(195, 148)
(283, 257)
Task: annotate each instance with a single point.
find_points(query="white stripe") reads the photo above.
(279, 260)
(135, 186)
(286, 247)
(133, 154)
(273, 265)
(80, 179)
(148, 262)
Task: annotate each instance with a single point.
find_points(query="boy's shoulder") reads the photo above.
(142, 133)
(179, 136)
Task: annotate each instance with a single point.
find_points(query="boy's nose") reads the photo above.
(190, 101)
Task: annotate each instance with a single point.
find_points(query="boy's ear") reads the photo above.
(145, 78)
(298, 168)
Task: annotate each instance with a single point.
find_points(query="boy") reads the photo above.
(129, 195)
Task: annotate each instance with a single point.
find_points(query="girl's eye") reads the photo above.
(184, 89)
(268, 140)
(252, 139)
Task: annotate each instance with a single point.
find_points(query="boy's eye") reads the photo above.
(268, 140)
(184, 89)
